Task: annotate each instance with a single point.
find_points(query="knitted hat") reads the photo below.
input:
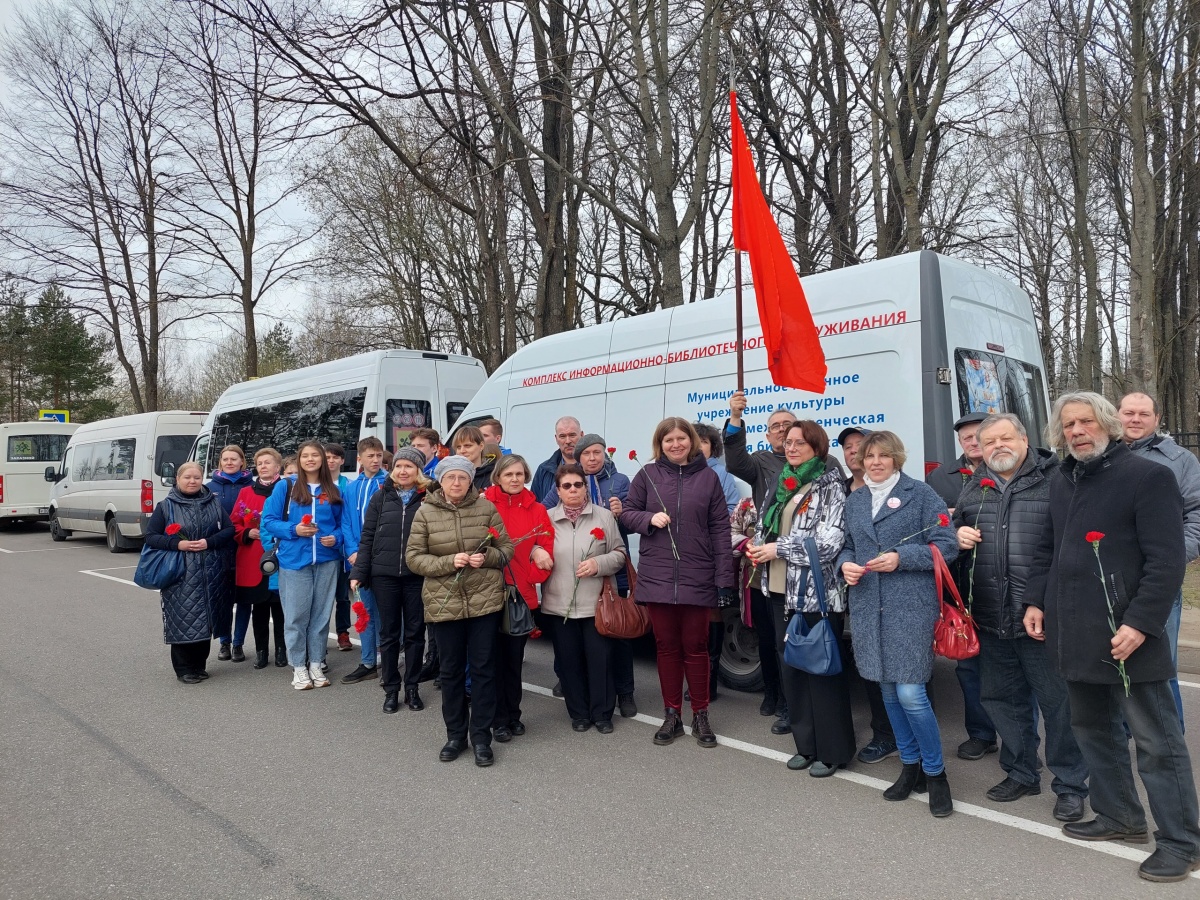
(588, 440)
(412, 455)
(454, 464)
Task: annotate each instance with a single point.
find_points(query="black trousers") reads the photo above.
(261, 617)
(764, 627)
(510, 657)
(401, 622)
(461, 642)
(881, 726)
(822, 721)
(585, 665)
(341, 601)
(190, 658)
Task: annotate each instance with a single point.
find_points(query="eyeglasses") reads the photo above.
(780, 426)
(794, 445)
(570, 486)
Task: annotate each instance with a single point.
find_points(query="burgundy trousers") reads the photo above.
(681, 633)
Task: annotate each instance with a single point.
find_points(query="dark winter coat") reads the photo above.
(948, 480)
(1011, 521)
(543, 478)
(1136, 505)
(385, 532)
(227, 487)
(483, 475)
(188, 606)
(694, 500)
(892, 614)
(1163, 450)
(760, 469)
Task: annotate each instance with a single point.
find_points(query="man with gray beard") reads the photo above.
(1106, 572)
(1001, 527)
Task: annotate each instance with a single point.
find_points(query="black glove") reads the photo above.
(726, 597)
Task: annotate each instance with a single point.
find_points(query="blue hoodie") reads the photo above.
(297, 552)
(227, 487)
(357, 495)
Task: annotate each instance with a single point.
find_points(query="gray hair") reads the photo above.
(571, 419)
(997, 418)
(1105, 412)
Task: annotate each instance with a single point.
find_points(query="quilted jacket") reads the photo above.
(439, 531)
(189, 604)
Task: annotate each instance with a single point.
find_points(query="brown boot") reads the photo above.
(672, 727)
(702, 731)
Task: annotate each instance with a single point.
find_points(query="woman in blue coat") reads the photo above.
(890, 523)
(304, 517)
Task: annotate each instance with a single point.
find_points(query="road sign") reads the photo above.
(54, 415)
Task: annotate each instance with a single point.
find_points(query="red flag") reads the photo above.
(794, 352)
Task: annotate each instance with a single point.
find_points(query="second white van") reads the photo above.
(25, 449)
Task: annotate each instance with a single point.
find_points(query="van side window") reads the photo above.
(67, 461)
(989, 382)
(454, 409)
(106, 460)
(37, 447)
(402, 417)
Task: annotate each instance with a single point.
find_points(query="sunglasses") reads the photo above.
(570, 486)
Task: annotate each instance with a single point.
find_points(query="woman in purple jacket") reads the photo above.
(685, 563)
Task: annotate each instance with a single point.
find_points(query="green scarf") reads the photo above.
(791, 480)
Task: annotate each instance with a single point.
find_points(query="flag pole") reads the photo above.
(737, 254)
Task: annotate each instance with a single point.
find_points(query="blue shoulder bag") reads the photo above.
(812, 649)
(158, 569)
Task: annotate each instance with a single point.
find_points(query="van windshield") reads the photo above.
(990, 383)
(37, 448)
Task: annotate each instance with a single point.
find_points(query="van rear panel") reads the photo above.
(26, 450)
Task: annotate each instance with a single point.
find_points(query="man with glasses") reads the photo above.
(761, 471)
(567, 432)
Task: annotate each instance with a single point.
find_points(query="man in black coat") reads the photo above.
(1000, 516)
(1108, 566)
(948, 480)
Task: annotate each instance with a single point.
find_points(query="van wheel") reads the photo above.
(56, 530)
(113, 537)
(740, 668)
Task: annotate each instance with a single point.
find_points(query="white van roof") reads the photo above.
(135, 422)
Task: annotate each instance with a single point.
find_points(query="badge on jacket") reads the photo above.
(893, 502)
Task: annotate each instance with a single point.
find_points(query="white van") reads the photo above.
(384, 393)
(911, 342)
(26, 447)
(114, 472)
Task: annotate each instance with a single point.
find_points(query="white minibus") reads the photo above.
(912, 342)
(25, 449)
(384, 393)
(115, 471)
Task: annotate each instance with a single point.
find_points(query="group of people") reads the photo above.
(1072, 572)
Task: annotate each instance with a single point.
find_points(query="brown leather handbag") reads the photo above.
(617, 616)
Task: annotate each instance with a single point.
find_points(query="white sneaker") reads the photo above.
(300, 679)
(318, 677)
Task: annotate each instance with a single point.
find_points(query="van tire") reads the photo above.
(739, 668)
(117, 543)
(57, 533)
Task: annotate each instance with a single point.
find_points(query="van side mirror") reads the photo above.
(51, 474)
(167, 471)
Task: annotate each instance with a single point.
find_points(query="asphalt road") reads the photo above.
(118, 781)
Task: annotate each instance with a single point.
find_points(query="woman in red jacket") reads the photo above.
(532, 535)
(251, 585)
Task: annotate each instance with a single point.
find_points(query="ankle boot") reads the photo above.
(941, 804)
(260, 659)
(672, 727)
(239, 655)
(702, 731)
(412, 699)
(280, 656)
(912, 778)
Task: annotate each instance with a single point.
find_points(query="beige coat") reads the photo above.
(572, 544)
(441, 530)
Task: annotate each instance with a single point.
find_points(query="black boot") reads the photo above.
(260, 659)
(223, 653)
(391, 702)
(412, 699)
(239, 655)
(702, 730)
(716, 636)
(912, 778)
(769, 704)
(672, 727)
(280, 657)
(431, 666)
(941, 804)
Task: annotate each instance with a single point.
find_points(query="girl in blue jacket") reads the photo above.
(304, 517)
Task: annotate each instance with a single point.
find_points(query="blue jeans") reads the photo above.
(241, 622)
(370, 635)
(1162, 761)
(915, 725)
(978, 723)
(307, 597)
(1172, 631)
(1014, 672)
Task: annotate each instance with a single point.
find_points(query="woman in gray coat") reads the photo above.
(192, 521)
(890, 523)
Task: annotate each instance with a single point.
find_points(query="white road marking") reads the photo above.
(96, 573)
(43, 549)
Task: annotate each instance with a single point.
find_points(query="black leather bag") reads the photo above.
(517, 620)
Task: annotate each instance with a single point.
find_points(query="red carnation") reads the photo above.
(535, 634)
(633, 455)
(598, 534)
(966, 472)
(175, 528)
(495, 535)
(1094, 537)
(791, 483)
(358, 607)
(943, 519)
(612, 451)
(986, 483)
(306, 519)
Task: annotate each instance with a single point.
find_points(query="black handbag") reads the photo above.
(517, 620)
(812, 649)
(269, 564)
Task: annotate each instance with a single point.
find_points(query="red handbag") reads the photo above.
(954, 634)
(617, 616)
